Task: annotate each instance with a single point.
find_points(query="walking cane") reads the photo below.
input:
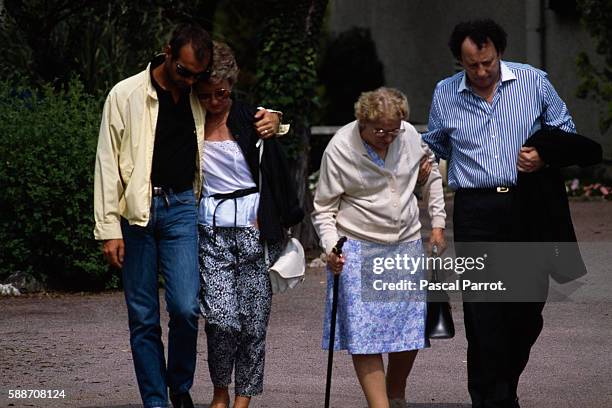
(337, 249)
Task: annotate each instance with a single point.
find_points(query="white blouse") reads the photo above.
(225, 171)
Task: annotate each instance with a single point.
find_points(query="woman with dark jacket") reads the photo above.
(244, 206)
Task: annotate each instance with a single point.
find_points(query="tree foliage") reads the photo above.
(596, 74)
(239, 24)
(287, 62)
(287, 80)
(47, 144)
(98, 41)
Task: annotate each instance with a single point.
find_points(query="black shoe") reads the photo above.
(181, 400)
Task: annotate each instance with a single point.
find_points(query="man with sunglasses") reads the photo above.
(147, 181)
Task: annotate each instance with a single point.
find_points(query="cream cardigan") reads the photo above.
(363, 201)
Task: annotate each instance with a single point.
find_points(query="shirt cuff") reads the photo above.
(271, 110)
(283, 128)
(328, 243)
(438, 222)
(105, 231)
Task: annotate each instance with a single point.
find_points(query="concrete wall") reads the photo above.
(411, 38)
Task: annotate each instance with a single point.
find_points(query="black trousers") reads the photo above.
(499, 334)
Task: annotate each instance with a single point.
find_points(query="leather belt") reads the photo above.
(498, 189)
(160, 191)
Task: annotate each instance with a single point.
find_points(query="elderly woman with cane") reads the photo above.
(369, 172)
(247, 202)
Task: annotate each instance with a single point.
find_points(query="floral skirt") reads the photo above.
(372, 322)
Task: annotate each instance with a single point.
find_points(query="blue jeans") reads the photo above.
(168, 244)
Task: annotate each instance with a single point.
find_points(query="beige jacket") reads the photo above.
(122, 178)
(356, 198)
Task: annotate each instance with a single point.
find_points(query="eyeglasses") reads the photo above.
(382, 132)
(185, 73)
(220, 94)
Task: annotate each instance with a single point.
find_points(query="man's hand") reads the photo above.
(437, 239)
(113, 250)
(529, 160)
(267, 123)
(335, 263)
(424, 170)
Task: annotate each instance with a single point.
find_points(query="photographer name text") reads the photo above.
(424, 284)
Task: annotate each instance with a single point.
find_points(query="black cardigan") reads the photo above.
(279, 207)
(544, 209)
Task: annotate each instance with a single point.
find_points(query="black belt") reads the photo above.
(235, 194)
(223, 197)
(230, 196)
(500, 189)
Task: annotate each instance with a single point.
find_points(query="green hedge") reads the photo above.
(47, 151)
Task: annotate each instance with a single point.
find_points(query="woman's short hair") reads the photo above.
(382, 103)
(478, 31)
(224, 64)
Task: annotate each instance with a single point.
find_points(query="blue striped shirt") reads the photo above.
(481, 141)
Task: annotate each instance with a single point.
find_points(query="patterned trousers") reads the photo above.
(235, 300)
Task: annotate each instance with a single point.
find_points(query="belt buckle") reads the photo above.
(157, 191)
(502, 189)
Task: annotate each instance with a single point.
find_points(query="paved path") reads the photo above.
(79, 344)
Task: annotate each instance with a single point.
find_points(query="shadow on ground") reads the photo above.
(439, 405)
(140, 406)
(412, 405)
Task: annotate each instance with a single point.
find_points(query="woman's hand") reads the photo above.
(437, 239)
(425, 167)
(335, 263)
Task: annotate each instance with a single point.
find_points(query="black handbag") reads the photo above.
(439, 323)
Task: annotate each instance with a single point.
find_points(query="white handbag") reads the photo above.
(290, 267)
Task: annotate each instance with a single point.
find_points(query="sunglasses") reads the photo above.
(220, 94)
(185, 73)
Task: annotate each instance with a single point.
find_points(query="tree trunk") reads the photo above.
(304, 231)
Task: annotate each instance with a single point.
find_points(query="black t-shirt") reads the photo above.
(176, 145)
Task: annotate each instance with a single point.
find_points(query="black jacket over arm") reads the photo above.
(544, 208)
(279, 207)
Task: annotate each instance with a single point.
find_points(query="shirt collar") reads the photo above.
(373, 155)
(506, 72)
(506, 75)
(151, 88)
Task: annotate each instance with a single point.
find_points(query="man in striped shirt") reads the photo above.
(479, 120)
